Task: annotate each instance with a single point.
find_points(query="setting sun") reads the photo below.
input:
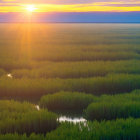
(30, 8)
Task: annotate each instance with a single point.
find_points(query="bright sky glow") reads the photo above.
(69, 5)
(31, 8)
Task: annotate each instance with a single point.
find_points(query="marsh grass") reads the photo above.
(77, 69)
(35, 88)
(23, 118)
(45, 59)
(109, 130)
(112, 110)
(66, 101)
(109, 107)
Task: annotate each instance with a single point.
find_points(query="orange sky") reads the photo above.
(69, 5)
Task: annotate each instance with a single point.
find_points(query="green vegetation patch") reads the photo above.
(133, 96)
(66, 101)
(116, 106)
(23, 118)
(77, 69)
(43, 59)
(35, 88)
(112, 110)
(109, 130)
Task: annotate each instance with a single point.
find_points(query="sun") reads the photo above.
(31, 8)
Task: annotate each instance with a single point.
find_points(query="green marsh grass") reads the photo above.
(107, 107)
(133, 96)
(26, 88)
(86, 56)
(72, 58)
(110, 130)
(77, 69)
(23, 118)
(66, 101)
(99, 107)
(112, 110)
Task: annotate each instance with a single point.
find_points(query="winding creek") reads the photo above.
(71, 119)
(62, 118)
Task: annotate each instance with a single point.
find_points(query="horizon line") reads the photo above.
(79, 22)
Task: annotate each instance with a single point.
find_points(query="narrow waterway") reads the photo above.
(70, 118)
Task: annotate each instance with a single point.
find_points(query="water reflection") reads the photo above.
(71, 119)
(9, 75)
(37, 107)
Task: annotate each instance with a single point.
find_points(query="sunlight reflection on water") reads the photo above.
(9, 75)
(37, 107)
(70, 119)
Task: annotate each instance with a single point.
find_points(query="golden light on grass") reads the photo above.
(31, 8)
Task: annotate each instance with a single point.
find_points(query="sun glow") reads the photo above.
(30, 8)
(93, 7)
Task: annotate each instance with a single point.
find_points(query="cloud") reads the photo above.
(66, 2)
(122, 5)
(70, 5)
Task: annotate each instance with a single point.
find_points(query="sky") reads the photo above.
(70, 5)
(70, 10)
